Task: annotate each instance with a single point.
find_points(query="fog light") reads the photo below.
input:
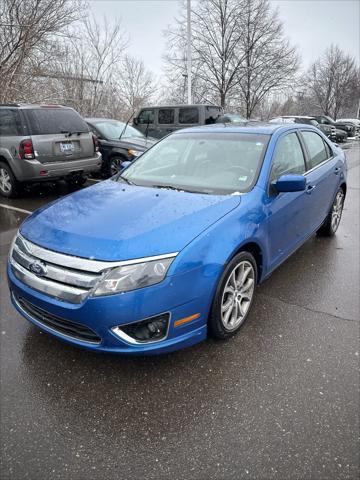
(150, 330)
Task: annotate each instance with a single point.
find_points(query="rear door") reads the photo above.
(323, 176)
(166, 121)
(59, 134)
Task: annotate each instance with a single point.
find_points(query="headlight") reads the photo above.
(132, 277)
(134, 153)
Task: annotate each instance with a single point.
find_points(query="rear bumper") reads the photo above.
(29, 170)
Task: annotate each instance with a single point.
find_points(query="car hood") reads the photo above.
(134, 142)
(114, 221)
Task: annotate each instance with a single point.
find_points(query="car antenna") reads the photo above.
(126, 124)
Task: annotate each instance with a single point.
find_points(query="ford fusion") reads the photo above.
(171, 249)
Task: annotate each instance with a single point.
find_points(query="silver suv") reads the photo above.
(44, 142)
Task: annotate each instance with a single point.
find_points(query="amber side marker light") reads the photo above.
(177, 323)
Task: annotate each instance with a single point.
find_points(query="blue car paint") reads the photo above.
(114, 221)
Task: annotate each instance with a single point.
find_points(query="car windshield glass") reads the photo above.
(44, 121)
(113, 129)
(216, 163)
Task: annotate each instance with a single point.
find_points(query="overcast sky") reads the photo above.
(312, 25)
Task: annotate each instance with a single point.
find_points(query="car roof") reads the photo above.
(256, 127)
(101, 119)
(181, 105)
(34, 105)
(295, 116)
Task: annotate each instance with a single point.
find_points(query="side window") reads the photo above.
(288, 157)
(10, 123)
(316, 148)
(146, 116)
(166, 116)
(188, 115)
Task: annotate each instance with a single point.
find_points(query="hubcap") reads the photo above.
(337, 211)
(116, 166)
(5, 181)
(237, 296)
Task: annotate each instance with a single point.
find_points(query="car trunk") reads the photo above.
(59, 134)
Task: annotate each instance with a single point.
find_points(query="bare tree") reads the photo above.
(240, 53)
(269, 62)
(216, 35)
(25, 25)
(333, 81)
(135, 85)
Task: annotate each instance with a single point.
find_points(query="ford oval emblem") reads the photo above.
(38, 268)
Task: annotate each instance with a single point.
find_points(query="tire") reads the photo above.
(116, 164)
(332, 221)
(238, 301)
(9, 186)
(76, 181)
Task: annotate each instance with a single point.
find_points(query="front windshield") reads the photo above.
(216, 163)
(112, 129)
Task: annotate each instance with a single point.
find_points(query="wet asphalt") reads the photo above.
(278, 401)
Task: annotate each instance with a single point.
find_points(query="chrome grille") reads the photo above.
(61, 276)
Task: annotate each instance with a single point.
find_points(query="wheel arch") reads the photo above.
(256, 251)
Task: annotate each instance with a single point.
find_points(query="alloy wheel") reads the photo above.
(116, 166)
(5, 181)
(337, 210)
(237, 295)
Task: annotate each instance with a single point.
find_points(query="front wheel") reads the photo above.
(332, 221)
(116, 165)
(234, 296)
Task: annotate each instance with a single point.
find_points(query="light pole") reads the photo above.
(189, 51)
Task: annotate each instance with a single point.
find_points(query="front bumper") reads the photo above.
(29, 170)
(101, 314)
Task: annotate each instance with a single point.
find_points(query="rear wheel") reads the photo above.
(76, 181)
(234, 296)
(9, 186)
(332, 221)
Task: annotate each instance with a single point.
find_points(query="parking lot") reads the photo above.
(278, 401)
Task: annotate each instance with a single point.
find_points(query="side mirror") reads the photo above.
(289, 183)
(135, 121)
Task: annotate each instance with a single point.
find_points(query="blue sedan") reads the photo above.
(172, 249)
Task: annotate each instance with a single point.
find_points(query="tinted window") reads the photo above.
(288, 157)
(146, 116)
(166, 115)
(189, 115)
(316, 148)
(46, 121)
(10, 123)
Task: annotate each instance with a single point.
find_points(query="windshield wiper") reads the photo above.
(69, 133)
(178, 189)
(125, 180)
(126, 124)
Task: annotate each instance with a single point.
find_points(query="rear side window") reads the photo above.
(146, 116)
(288, 157)
(188, 115)
(316, 148)
(166, 115)
(46, 121)
(10, 122)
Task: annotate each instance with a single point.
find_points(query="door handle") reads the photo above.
(337, 170)
(309, 189)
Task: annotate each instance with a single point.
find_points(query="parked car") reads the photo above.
(173, 247)
(326, 120)
(352, 121)
(44, 142)
(231, 118)
(161, 120)
(328, 130)
(118, 143)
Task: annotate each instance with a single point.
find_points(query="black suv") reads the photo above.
(347, 127)
(118, 143)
